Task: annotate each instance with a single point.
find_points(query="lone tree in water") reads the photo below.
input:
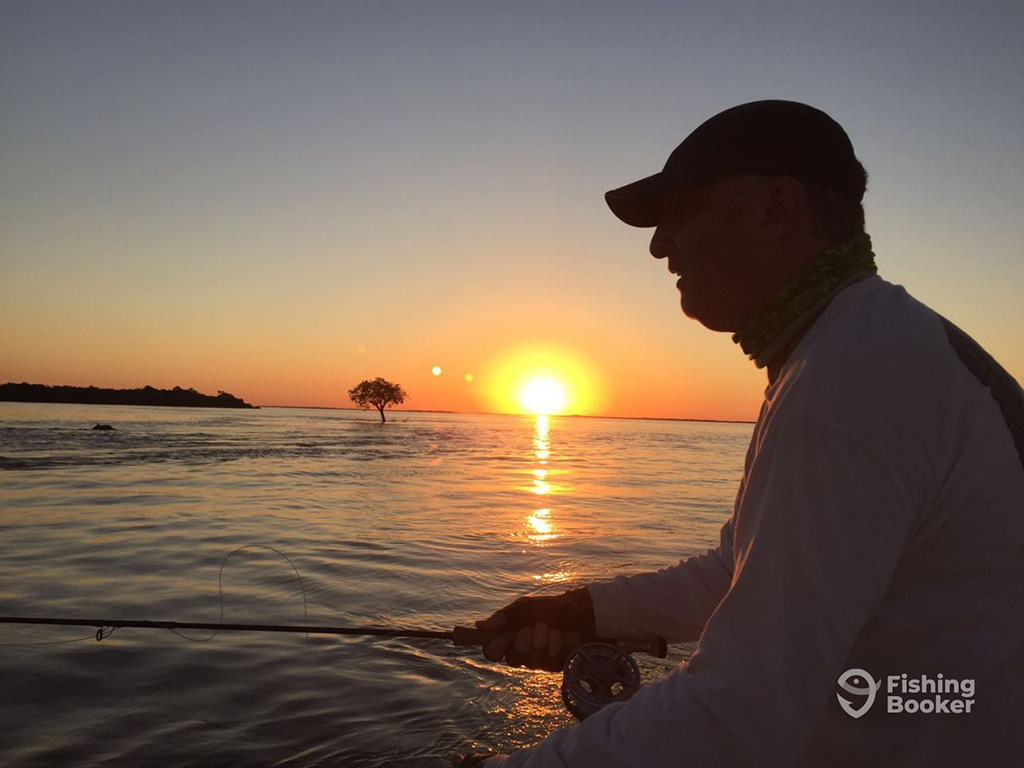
(379, 393)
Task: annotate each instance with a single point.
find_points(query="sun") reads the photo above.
(541, 379)
(543, 396)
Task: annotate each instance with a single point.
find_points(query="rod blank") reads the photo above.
(461, 636)
(121, 623)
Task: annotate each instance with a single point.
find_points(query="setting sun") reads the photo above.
(543, 396)
(542, 379)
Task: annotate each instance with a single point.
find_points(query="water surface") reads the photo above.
(428, 521)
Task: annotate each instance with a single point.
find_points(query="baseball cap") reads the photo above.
(771, 138)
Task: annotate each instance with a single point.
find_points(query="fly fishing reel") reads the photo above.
(595, 675)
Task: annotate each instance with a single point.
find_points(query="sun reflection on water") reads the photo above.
(541, 441)
(541, 524)
(540, 527)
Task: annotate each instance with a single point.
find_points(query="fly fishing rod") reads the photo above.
(461, 636)
(595, 673)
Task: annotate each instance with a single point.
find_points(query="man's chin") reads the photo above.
(708, 319)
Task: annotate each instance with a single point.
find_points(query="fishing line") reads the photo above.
(105, 632)
(220, 592)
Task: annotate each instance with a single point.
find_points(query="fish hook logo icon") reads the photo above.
(870, 690)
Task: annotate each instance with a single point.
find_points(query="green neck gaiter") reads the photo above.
(778, 321)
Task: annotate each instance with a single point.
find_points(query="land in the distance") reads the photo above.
(177, 397)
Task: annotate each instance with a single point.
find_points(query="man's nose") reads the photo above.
(661, 246)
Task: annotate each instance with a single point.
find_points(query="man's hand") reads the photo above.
(547, 629)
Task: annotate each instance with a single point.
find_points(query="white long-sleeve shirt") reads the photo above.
(879, 525)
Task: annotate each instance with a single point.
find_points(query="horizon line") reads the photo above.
(529, 415)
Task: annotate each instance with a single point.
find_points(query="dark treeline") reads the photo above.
(189, 398)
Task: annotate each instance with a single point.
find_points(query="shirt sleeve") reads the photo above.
(818, 530)
(673, 603)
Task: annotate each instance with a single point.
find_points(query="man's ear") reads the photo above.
(784, 209)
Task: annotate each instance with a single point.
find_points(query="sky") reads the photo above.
(279, 200)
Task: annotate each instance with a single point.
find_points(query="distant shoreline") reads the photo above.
(487, 413)
(167, 398)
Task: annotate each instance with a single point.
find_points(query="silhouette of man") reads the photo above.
(879, 523)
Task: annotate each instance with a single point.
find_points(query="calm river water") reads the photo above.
(428, 521)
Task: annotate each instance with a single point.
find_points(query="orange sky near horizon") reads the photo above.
(607, 368)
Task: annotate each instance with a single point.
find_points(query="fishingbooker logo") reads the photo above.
(905, 694)
(869, 690)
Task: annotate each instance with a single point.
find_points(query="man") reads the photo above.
(879, 524)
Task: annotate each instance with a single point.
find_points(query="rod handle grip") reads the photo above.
(652, 646)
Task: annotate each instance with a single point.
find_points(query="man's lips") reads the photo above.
(675, 269)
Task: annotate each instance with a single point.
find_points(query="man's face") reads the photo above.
(709, 237)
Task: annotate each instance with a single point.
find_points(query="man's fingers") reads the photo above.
(540, 635)
(538, 655)
(524, 640)
(518, 654)
(554, 659)
(533, 633)
(554, 643)
(495, 649)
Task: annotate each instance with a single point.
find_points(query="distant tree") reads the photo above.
(379, 393)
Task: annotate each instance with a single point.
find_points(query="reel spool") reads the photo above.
(595, 675)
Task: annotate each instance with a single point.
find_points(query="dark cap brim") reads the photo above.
(638, 204)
